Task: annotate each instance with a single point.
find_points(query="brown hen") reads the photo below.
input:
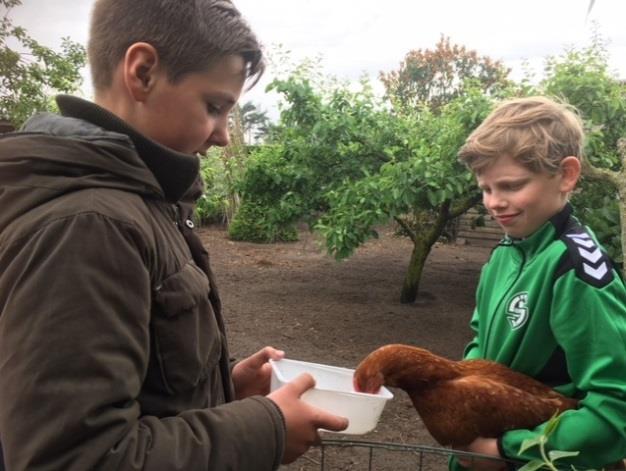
(459, 401)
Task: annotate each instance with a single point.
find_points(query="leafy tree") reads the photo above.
(285, 180)
(233, 158)
(212, 207)
(222, 169)
(438, 76)
(422, 187)
(616, 179)
(255, 122)
(582, 77)
(344, 162)
(28, 79)
(322, 139)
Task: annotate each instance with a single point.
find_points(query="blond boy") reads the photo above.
(549, 303)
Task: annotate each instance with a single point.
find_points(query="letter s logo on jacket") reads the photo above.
(517, 310)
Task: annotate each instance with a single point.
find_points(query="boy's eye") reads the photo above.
(514, 186)
(213, 109)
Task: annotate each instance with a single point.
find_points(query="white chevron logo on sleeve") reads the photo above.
(593, 257)
(586, 242)
(582, 235)
(596, 273)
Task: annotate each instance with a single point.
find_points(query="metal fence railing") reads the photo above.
(361, 455)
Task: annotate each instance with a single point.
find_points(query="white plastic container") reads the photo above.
(334, 393)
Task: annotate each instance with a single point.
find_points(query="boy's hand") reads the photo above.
(252, 375)
(301, 419)
(483, 446)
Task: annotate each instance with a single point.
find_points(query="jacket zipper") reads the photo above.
(176, 215)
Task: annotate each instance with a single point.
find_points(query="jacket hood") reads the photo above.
(87, 147)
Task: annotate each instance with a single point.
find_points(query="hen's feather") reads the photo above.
(459, 401)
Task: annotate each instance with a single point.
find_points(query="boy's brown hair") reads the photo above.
(537, 132)
(188, 35)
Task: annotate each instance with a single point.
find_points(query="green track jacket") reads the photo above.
(552, 306)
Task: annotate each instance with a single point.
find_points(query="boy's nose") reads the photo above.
(220, 136)
(494, 201)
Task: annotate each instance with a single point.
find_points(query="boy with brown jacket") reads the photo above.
(113, 352)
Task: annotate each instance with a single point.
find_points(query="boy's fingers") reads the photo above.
(322, 419)
(273, 353)
(332, 422)
(260, 358)
(302, 383)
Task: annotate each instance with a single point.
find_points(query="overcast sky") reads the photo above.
(356, 37)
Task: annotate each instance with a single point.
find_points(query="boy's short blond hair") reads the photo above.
(537, 132)
(189, 35)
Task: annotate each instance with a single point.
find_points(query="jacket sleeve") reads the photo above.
(589, 323)
(74, 350)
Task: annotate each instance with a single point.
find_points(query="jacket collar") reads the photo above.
(174, 171)
(560, 219)
(545, 235)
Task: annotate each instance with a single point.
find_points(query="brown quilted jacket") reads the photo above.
(112, 346)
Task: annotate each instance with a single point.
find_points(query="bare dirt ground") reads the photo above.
(295, 297)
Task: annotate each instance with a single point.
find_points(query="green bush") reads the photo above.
(210, 209)
(254, 223)
(212, 205)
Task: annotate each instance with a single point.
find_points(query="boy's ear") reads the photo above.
(570, 173)
(140, 69)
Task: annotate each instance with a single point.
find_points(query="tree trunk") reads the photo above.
(414, 273)
(429, 231)
(233, 158)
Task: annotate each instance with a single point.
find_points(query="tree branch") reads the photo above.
(600, 174)
(407, 228)
(461, 207)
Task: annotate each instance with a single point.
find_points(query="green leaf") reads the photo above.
(552, 424)
(557, 455)
(529, 443)
(532, 465)
(432, 197)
